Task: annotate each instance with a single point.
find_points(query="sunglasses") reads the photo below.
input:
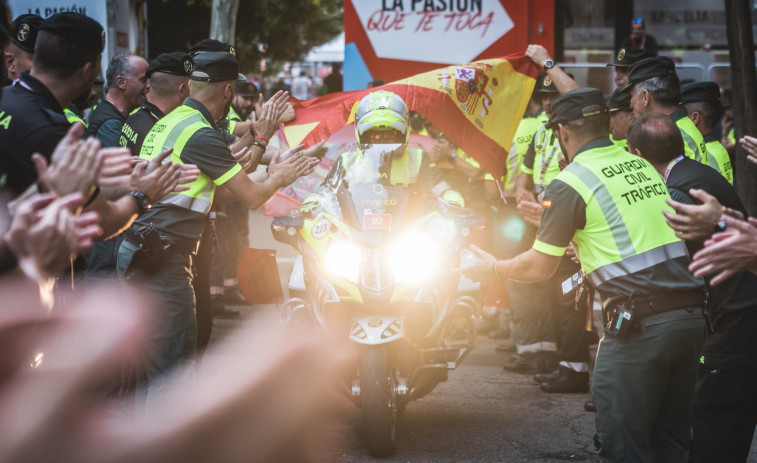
(637, 21)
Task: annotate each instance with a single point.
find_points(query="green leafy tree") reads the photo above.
(279, 30)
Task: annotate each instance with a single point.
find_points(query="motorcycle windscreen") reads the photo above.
(378, 201)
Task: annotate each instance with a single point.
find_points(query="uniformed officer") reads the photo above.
(647, 361)
(621, 116)
(233, 228)
(702, 100)
(66, 63)
(624, 59)
(654, 88)
(725, 406)
(169, 86)
(20, 52)
(159, 246)
(127, 87)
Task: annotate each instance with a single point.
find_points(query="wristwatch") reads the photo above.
(143, 201)
(549, 64)
(720, 226)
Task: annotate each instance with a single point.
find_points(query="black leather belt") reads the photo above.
(644, 307)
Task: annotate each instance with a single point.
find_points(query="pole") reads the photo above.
(743, 79)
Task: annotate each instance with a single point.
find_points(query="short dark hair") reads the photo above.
(666, 90)
(60, 57)
(163, 84)
(711, 111)
(657, 138)
(588, 127)
(118, 66)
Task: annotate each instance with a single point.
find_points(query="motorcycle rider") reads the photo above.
(382, 118)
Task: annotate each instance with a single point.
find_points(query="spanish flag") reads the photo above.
(477, 105)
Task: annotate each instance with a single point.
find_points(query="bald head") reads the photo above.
(656, 137)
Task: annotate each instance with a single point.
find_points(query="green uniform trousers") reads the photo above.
(643, 389)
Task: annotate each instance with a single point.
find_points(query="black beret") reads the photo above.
(619, 101)
(696, 92)
(78, 28)
(214, 66)
(627, 56)
(657, 66)
(245, 87)
(176, 63)
(24, 34)
(212, 45)
(577, 104)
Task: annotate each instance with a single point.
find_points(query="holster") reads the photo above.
(625, 319)
(153, 245)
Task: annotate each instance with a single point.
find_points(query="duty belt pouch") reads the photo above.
(622, 322)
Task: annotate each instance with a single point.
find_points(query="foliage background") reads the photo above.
(279, 30)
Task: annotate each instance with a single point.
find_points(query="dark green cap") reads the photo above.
(577, 104)
(24, 34)
(176, 63)
(78, 28)
(212, 45)
(696, 92)
(214, 66)
(648, 68)
(625, 57)
(245, 87)
(619, 101)
(544, 83)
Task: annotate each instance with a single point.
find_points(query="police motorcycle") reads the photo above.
(375, 269)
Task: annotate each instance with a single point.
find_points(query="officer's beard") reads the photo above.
(84, 100)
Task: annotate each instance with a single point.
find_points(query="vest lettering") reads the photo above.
(5, 122)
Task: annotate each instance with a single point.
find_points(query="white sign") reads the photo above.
(433, 31)
(95, 9)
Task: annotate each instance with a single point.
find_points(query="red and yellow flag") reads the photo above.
(477, 105)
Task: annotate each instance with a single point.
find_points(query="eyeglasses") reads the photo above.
(638, 20)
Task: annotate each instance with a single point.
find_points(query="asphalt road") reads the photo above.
(481, 414)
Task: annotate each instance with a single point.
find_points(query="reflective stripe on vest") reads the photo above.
(621, 191)
(173, 131)
(693, 142)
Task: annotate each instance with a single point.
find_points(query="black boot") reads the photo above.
(546, 377)
(567, 381)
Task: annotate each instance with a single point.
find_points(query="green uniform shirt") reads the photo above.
(542, 159)
(718, 155)
(608, 202)
(522, 140)
(191, 132)
(233, 117)
(693, 142)
(620, 143)
(73, 115)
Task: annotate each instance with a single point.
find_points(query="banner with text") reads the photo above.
(388, 40)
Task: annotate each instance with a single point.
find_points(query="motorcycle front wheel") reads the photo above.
(378, 401)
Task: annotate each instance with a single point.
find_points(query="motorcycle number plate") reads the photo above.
(377, 222)
(320, 229)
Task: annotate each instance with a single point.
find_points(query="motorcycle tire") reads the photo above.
(378, 401)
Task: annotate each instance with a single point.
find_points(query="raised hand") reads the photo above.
(286, 167)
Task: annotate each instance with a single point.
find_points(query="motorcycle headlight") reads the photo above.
(342, 259)
(414, 258)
